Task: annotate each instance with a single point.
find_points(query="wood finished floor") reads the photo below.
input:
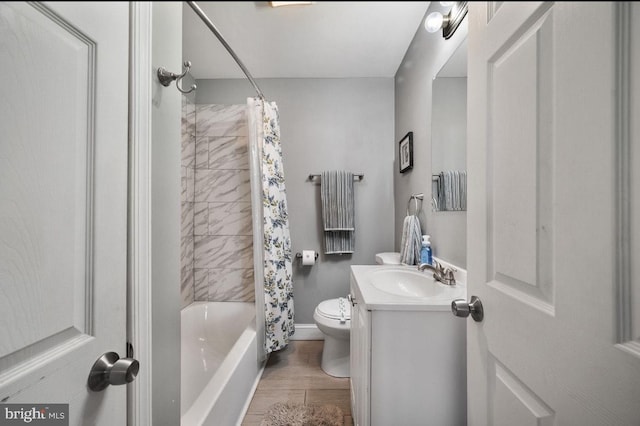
(294, 374)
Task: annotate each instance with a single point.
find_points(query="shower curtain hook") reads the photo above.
(166, 77)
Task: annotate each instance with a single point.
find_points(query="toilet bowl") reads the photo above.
(333, 318)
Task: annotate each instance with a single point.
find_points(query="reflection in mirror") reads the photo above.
(449, 134)
(448, 217)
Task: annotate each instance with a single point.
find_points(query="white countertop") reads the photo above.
(375, 299)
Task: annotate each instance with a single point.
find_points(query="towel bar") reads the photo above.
(358, 176)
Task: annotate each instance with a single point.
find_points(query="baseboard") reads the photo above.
(307, 332)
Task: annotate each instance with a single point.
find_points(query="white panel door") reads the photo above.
(63, 202)
(553, 213)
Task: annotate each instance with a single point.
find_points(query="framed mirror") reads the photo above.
(449, 134)
(448, 216)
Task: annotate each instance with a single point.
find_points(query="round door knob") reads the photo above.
(123, 371)
(110, 369)
(461, 308)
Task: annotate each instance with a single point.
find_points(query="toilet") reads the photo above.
(388, 258)
(333, 318)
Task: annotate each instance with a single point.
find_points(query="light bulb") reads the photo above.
(433, 22)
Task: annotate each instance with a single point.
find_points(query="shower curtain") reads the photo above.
(271, 239)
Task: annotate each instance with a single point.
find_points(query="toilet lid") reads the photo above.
(338, 309)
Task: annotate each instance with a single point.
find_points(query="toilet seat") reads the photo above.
(335, 309)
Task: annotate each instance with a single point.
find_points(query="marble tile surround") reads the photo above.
(187, 176)
(222, 185)
(216, 219)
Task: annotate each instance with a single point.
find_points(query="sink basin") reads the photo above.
(407, 283)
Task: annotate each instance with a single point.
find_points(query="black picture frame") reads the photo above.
(405, 153)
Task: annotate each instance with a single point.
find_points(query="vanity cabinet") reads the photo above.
(360, 359)
(408, 364)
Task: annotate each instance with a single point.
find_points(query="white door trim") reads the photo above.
(139, 242)
(624, 184)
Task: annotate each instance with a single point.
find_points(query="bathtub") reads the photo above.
(219, 367)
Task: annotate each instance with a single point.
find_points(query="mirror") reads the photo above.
(449, 158)
(449, 134)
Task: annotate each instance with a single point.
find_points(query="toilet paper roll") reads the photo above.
(308, 257)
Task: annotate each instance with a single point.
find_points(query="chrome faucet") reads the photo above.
(440, 273)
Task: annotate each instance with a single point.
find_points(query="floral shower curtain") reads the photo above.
(272, 242)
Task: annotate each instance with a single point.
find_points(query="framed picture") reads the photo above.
(405, 152)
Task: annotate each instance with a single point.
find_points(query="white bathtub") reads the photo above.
(219, 367)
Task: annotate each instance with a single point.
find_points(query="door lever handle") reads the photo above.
(351, 299)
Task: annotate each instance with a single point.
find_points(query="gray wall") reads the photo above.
(165, 222)
(449, 125)
(413, 92)
(328, 124)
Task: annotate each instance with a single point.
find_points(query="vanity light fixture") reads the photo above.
(448, 23)
(289, 3)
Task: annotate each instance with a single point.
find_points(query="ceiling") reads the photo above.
(326, 39)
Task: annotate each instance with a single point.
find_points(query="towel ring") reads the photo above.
(415, 198)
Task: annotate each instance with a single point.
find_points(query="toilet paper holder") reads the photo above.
(299, 255)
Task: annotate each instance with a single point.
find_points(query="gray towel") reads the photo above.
(411, 240)
(338, 215)
(451, 187)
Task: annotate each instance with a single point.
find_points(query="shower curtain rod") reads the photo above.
(215, 31)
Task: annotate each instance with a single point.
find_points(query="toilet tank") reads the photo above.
(388, 258)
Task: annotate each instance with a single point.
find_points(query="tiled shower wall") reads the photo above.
(217, 236)
(188, 164)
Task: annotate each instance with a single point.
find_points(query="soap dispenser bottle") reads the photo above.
(425, 251)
